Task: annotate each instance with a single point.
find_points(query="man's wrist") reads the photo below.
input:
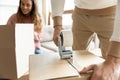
(57, 21)
(58, 27)
(113, 59)
(114, 49)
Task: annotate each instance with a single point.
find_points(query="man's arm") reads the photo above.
(115, 38)
(57, 11)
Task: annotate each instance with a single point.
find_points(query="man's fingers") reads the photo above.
(87, 69)
(55, 41)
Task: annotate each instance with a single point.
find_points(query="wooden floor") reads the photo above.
(24, 77)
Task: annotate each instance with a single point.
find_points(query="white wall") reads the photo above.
(7, 8)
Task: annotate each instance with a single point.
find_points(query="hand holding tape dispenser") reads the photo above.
(64, 41)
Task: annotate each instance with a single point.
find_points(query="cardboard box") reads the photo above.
(49, 66)
(16, 44)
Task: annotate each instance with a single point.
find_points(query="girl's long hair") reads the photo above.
(34, 14)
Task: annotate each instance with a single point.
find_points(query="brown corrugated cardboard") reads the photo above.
(16, 44)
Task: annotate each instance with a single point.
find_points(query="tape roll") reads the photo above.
(67, 38)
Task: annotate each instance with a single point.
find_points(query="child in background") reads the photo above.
(28, 13)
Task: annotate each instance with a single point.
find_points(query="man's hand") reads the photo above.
(57, 31)
(108, 70)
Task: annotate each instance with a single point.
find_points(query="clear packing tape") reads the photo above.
(67, 38)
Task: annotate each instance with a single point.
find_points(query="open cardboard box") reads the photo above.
(16, 44)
